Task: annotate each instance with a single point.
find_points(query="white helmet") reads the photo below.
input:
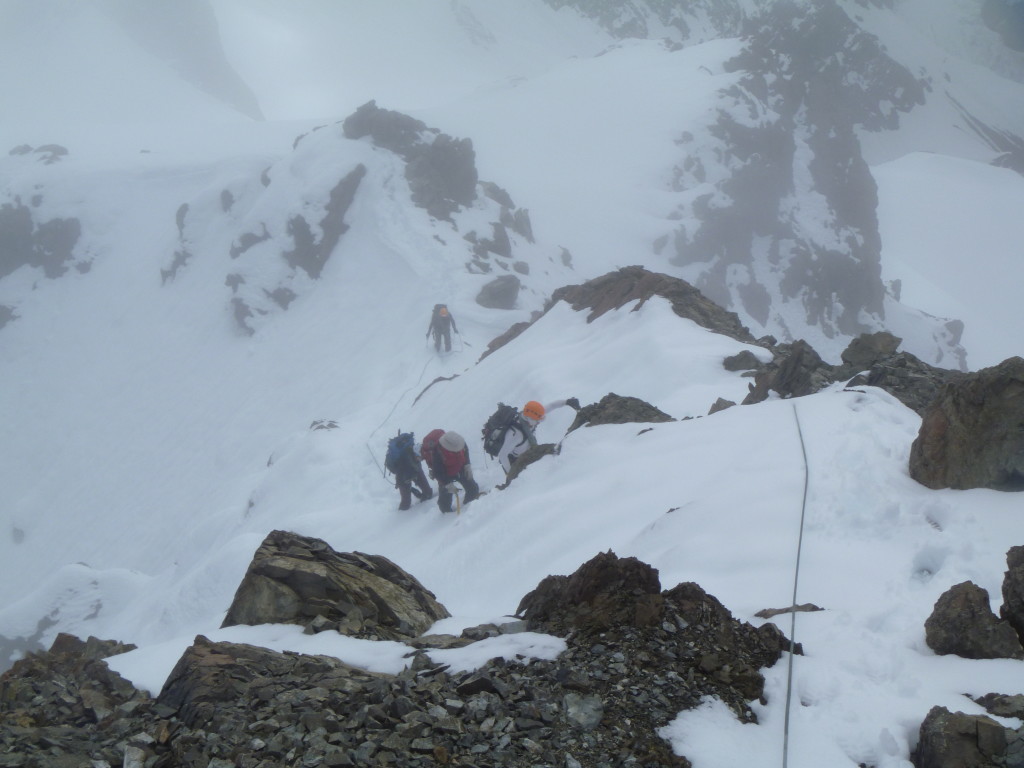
(452, 441)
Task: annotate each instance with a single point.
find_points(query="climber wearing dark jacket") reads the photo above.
(441, 325)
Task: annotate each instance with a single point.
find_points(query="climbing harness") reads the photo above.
(796, 580)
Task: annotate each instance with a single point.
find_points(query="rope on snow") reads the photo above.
(383, 472)
(796, 580)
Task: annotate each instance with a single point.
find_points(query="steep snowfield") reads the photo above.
(148, 445)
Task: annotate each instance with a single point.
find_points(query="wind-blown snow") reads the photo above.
(148, 446)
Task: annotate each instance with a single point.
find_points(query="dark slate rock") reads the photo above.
(956, 740)
(720, 404)
(616, 289)
(797, 370)
(600, 703)
(294, 579)
(530, 456)
(618, 409)
(868, 349)
(911, 381)
(809, 106)
(209, 674)
(742, 361)
(500, 293)
(25, 240)
(636, 284)
(962, 624)
(441, 170)
(605, 591)
(1002, 705)
(1012, 609)
(310, 251)
(971, 435)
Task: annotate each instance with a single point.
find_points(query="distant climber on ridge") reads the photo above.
(441, 325)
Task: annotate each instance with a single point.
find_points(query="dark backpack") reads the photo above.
(496, 427)
(430, 447)
(399, 449)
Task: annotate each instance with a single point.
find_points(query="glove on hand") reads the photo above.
(451, 488)
(573, 402)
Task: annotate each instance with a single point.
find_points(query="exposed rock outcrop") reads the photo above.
(604, 592)
(866, 350)
(963, 624)
(531, 455)
(27, 239)
(66, 703)
(636, 284)
(441, 170)
(796, 371)
(971, 435)
(908, 379)
(601, 702)
(298, 580)
(612, 409)
(956, 740)
(720, 404)
(618, 409)
(1012, 609)
(500, 293)
(611, 593)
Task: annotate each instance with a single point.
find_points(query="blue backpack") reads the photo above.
(401, 448)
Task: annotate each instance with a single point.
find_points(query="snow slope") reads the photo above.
(148, 446)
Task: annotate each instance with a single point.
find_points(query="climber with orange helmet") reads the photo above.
(441, 325)
(519, 435)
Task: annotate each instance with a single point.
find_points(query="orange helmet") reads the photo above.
(533, 410)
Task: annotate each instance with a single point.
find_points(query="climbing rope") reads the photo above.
(383, 472)
(792, 613)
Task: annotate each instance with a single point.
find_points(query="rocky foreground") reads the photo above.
(636, 655)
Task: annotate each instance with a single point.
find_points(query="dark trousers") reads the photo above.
(465, 478)
(438, 335)
(406, 491)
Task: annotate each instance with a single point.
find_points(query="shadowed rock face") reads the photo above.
(500, 293)
(796, 372)
(963, 624)
(1012, 609)
(804, 107)
(972, 435)
(48, 245)
(297, 580)
(605, 591)
(441, 170)
(956, 740)
(655, 654)
(311, 251)
(618, 409)
(629, 284)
